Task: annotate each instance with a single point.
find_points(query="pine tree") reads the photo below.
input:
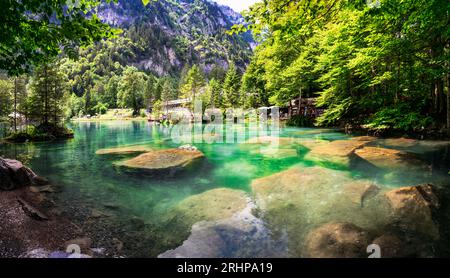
(215, 92)
(45, 104)
(231, 88)
(193, 85)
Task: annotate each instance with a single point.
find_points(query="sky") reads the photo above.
(237, 5)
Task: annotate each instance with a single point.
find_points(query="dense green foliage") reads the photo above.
(381, 64)
(34, 30)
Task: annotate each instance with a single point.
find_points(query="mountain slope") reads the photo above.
(173, 33)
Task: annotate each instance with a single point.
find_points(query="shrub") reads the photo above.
(300, 121)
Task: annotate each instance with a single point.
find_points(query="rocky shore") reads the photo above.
(31, 224)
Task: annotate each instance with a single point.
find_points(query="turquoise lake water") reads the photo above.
(89, 181)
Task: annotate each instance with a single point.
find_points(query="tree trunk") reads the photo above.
(55, 104)
(290, 109)
(15, 104)
(300, 102)
(448, 100)
(46, 96)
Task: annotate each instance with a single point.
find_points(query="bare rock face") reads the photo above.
(412, 209)
(124, 150)
(162, 161)
(337, 240)
(13, 174)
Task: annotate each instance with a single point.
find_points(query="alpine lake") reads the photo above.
(297, 192)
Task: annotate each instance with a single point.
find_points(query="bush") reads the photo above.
(398, 118)
(300, 121)
(43, 132)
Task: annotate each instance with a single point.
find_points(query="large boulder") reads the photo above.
(211, 205)
(337, 240)
(125, 150)
(14, 174)
(412, 209)
(241, 235)
(162, 161)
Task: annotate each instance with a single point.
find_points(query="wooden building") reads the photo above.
(303, 106)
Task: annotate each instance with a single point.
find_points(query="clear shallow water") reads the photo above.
(90, 181)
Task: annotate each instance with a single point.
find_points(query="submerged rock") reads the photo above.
(358, 193)
(336, 152)
(411, 145)
(240, 236)
(412, 209)
(394, 244)
(162, 161)
(389, 159)
(397, 142)
(275, 153)
(272, 140)
(211, 205)
(298, 199)
(337, 240)
(124, 150)
(42, 189)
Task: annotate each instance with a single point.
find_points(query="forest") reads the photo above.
(375, 65)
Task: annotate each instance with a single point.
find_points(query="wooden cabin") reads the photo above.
(303, 106)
